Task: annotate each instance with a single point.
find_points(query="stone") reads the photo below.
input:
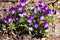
(57, 30)
(43, 39)
(49, 1)
(1, 37)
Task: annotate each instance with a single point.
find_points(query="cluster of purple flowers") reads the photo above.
(23, 13)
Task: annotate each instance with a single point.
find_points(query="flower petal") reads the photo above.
(13, 9)
(29, 19)
(45, 24)
(10, 18)
(24, 12)
(23, 2)
(30, 28)
(19, 7)
(41, 17)
(7, 10)
(5, 20)
(36, 25)
(17, 17)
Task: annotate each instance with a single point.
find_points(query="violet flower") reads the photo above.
(41, 17)
(7, 10)
(54, 11)
(5, 20)
(34, 10)
(48, 12)
(45, 24)
(31, 16)
(21, 15)
(38, 8)
(9, 18)
(29, 19)
(17, 17)
(36, 25)
(42, 3)
(23, 2)
(30, 28)
(13, 9)
(19, 7)
(42, 6)
(24, 12)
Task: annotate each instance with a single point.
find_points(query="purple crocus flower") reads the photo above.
(13, 9)
(35, 24)
(9, 18)
(5, 20)
(41, 17)
(45, 24)
(19, 7)
(24, 12)
(23, 2)
(17, 17)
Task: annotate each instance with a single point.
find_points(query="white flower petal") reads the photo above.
(30, 28)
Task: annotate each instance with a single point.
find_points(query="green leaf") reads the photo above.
(12, 26)
(26, 27)
(29, 10)
(48, 33)
(21, 20)
(51, 7)
(42, 29)
(49, 19)
(40, 21)
(18, 0)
